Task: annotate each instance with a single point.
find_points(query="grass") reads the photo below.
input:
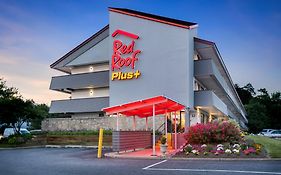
(272, 146)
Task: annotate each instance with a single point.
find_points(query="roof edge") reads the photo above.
(204, 41)
(156, 18)
(79, 46)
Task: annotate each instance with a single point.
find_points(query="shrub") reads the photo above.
(249, 151)
(188, 149)
(213, 133)
(12, 140)
(258, 147)
(244, 146)
(163, 140)
(74, 133)
(18, 139)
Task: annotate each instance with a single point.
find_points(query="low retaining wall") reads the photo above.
(77, 124)
(128, 140)
(90, 122)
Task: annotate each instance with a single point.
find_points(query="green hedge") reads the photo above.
(93, 132)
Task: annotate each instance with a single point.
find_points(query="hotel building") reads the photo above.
(136, 59)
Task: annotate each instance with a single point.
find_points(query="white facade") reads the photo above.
(165, 62)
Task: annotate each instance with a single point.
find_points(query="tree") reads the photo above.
(245, 93)
(263, 109)
(7, 92)
(257, 117)
(42, 112)
(14, 110)
(274, 110)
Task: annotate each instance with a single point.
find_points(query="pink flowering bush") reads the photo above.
(250, 150)
(213, 133)
(221, 150)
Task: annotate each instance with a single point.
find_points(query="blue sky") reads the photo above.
(34, 34)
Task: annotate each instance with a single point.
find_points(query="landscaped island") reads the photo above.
(219, 139)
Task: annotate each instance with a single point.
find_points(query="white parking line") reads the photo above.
(145, 168)
(207, 170)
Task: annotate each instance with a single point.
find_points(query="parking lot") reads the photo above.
(45, 161)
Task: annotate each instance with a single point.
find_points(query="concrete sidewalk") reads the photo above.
(141, 154)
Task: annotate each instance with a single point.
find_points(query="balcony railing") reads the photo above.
(80, 81)
(210, 102)
(79, 105)
(208, 74)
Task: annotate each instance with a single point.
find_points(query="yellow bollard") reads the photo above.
(100, 143)
(169, 139)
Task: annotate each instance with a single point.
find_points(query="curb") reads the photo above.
(223, 159)
(115, 155)
(24, 147)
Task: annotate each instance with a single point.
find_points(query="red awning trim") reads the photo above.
(143, 108)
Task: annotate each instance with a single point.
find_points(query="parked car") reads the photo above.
(274, 134)
(11, 131)
(1, 137)
(265, 131)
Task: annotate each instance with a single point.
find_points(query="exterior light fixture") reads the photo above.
(91, 92)
(91, 69)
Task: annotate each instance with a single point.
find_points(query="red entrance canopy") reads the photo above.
(144, 108)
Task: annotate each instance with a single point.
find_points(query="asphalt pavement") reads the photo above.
(76, 161)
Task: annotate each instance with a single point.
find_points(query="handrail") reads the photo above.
(161, 131)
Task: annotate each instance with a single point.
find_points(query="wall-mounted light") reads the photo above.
(91, 68)
(198, 111)
(91, 92)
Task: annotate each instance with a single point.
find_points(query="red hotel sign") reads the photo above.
(124, 56)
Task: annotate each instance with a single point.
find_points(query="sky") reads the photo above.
(35, 33)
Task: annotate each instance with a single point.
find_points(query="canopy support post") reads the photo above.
(166, 125)
(153, 121)
(117, 122)
(146, 124)
(175, 117)
(187, 120)
(134, 123)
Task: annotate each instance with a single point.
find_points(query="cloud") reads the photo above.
(6, 60)
(27, 43)
(33, 88)
(32, 79)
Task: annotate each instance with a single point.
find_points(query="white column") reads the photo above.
(166, 125)
(175, 122)
(117, 122)
(210, 118)
(134, 123)
(146, 124)
(198, 118)
(153, 122)
(187, 119)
